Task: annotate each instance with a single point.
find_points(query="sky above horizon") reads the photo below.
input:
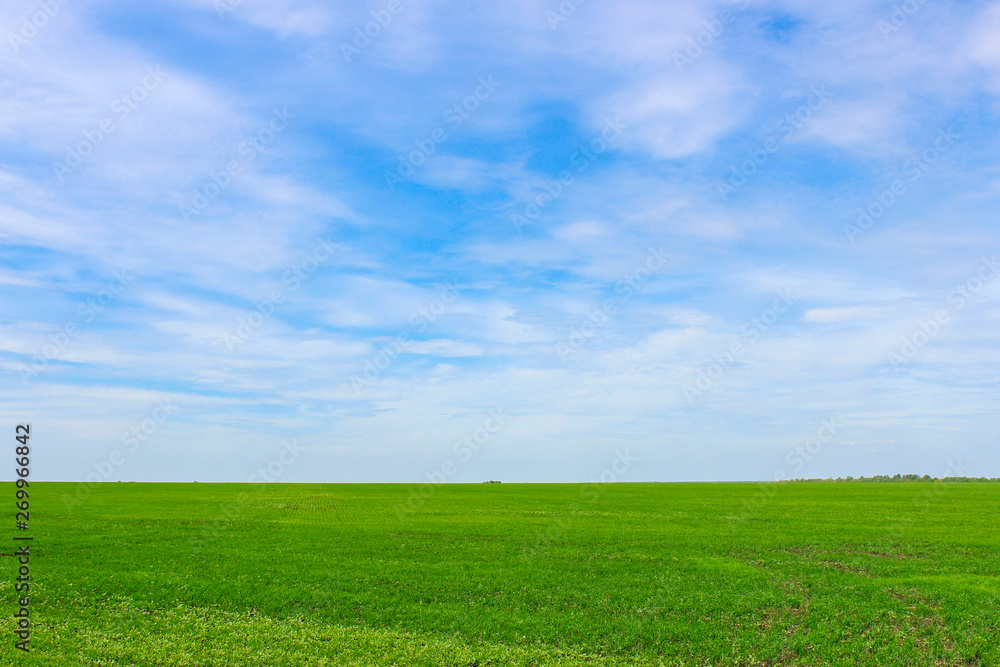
(408, 242)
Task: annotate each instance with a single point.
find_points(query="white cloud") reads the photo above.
(673, 115)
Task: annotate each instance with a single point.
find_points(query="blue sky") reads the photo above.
(738, 240)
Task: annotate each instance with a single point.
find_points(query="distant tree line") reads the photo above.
(899, 478)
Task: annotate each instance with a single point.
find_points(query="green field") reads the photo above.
(512, 574)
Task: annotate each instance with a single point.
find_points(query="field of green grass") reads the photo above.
(511, 574)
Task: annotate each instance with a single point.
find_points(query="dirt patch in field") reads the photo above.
(843, 567)
(813, 551)
(881, 554)
(797, 613)
(816, 556)
(923, 615)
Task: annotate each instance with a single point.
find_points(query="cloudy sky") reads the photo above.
(527, 241)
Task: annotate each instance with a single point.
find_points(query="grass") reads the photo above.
(506, 574)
